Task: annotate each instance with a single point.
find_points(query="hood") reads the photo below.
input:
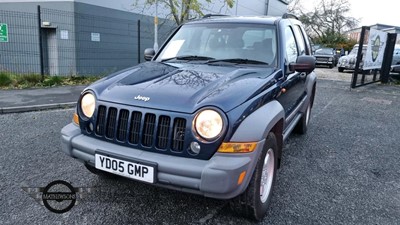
(349, 56)
(182, 87)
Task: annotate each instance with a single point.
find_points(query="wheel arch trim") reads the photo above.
(258, 124)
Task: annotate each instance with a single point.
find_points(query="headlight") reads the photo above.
(209, 124)
(330, 59)
(88, 103)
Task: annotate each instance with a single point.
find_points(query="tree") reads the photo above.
(326, 22)
(326, 18)
(335, 40)
(182, 10)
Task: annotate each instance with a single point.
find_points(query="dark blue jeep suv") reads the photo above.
(207, 114)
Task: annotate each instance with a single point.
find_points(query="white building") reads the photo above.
(241, 7)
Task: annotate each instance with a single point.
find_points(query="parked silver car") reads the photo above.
(348, 62)
(396, 59)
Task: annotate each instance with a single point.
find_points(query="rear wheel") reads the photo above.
(253, 202)
(302, 125)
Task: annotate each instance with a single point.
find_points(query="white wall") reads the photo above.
(276, 8)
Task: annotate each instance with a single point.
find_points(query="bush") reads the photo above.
(32, 78)
(27, 80)
(5, 79)
(18, 81)
(52, 81)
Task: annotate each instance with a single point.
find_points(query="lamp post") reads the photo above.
(156, 29)
(237, 3)
(266, 7)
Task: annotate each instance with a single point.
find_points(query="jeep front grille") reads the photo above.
(134, 131)
(148, 130)
(163, 131)
(137, 128)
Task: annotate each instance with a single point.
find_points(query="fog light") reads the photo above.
(195, 147)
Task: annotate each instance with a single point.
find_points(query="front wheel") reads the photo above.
(254, 201)
(340, 69)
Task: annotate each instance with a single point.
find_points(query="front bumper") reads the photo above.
(216, 177)
(320, 62)
(349, 64)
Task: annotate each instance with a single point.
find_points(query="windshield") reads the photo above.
(219, 41)
(354, 51)
(324, 51)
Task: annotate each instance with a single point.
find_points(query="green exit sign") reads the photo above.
(3, 32)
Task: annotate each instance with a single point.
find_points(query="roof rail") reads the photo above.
(212, 15)
(289, 16)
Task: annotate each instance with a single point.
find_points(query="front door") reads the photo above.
(293, 85)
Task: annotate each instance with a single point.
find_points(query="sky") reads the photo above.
(369, 12)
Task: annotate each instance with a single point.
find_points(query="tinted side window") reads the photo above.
(291, 47)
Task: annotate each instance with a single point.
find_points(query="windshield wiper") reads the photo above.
(238, 61)
(189, 57)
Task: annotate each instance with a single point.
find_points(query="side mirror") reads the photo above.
(304, 63)
(149, 54)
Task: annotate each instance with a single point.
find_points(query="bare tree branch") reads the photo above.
(182, 10)
(329, 16)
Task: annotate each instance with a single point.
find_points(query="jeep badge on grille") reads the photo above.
(142, 98)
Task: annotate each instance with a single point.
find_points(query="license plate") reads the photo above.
(132, 170)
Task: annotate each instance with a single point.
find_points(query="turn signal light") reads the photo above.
(76, 119)
(241, 177)
(237, 147)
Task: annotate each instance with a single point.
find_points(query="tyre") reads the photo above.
(254, 201)
(340, 69)
(100, 173)
(331, 66)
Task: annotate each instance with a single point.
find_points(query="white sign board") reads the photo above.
(64, 34)
(95, 37)
(376, 48)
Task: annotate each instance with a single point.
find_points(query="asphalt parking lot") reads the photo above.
(345, 170)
